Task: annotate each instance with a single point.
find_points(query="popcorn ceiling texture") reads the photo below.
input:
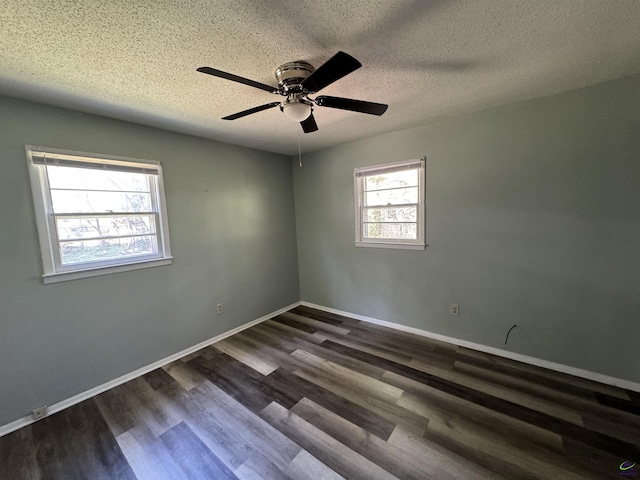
(429, 60)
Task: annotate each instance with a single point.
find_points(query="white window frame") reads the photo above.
(358, 179)
(54, 271)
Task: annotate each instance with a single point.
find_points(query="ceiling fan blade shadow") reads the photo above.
(446, 66)
(335, 68)
(350, 104)
(400, 64)
(400, 19)
(309, 125)
(236, 78)
(244, 113)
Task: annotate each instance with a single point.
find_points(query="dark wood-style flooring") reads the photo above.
(313, 395)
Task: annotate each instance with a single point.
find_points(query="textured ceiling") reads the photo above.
(137, 60)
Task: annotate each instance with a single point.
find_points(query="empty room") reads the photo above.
(335, 239)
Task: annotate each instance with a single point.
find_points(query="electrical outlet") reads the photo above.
(220, 309)
(454, 310)
(40, 412)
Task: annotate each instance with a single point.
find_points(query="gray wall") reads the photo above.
(231, 219)
(533, 218)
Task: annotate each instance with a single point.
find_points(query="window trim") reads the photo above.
(359, 173)
(53, 270)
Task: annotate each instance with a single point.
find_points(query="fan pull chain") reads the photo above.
(299, 152)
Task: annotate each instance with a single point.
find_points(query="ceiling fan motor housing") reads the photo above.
(290, 75)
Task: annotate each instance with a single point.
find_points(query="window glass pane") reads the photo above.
(397, 196)
(83, 251)
(401, 231)
(87, 179)
(69, 201)
(79, 228)
(404, 178)
(404, 214)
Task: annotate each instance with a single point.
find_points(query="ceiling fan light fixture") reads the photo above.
(296, 111)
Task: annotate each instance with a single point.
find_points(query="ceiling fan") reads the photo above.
(296, 81)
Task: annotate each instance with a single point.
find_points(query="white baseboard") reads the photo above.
(558, 367)
(24, 421)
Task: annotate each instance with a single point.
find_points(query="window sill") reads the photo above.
(401, 246)
(95, 272)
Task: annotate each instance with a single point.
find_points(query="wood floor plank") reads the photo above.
(249, 356)
(619, 404)
(147, 456)
(264, 334)
(325, 448)
(411, 440)
(634, 397)
(568, 413)
(353, 343)
(292, 332)
(401, 337)
(294, 324)
(543, 376)
(270, 442)
(317, 324)
(391, 411)
(149, 407)
(185, 376)
(18, 456)
(260, 340)
(404, 463)
(193, 456)
(226, 443)
(335, 357)
(423, 351)
(626, 431)
(330, 318)
(371, 421)
(306, 466)
(78, 444)
(158, 378)
(430, 402)
(510, 462)
(250, 388)
(279, 357)
(202, 352)
(495, 442)
(347, 378)
(291, 343)
(257, 467)
(118, 408)
(579, 402)
(402, 341)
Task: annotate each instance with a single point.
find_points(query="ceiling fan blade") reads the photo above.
(309, 125)
(351, 104)
(236, 78)
(250, 111)
(335, 68)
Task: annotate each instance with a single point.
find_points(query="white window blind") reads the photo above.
(93, 163)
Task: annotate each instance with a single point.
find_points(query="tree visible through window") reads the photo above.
(101, 215)
(390, 204)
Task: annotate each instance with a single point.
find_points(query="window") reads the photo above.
(389, 203)
(97, 214)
